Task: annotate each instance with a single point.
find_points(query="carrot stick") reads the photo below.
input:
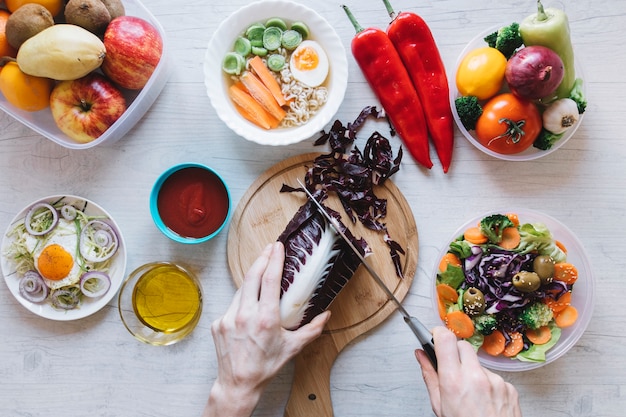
(475, 235)
(566, 317)
(447, 293)
(268, 79)
(449, 259)
(515, 345)
(261, 94)
(251, 109)
(511, 238)
(493, 343)
(539, 336)
(460, 324)
(565, 272)
(557, 305)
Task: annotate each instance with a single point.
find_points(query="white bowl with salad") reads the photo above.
(63, 257)
(276, 72)
(516, 284)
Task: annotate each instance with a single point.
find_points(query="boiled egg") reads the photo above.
(309, 63)
(55, 255)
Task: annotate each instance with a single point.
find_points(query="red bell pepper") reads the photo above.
(383, 69)
(415, 44)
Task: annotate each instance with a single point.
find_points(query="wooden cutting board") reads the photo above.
(262, 215)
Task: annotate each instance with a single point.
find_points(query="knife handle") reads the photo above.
(424, 337)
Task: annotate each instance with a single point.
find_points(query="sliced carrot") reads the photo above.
(447, 293)
(557, 305)
(561, 246)
(515, 345)
(510, 238)
(539, 336)
(264, 74)
(441, 306)
(475, 235)
(460, 324)
(514, 218)
(449, 259)
(250, 108)
(565, 272)
(262, 94)
(566, 317)
(494, 343)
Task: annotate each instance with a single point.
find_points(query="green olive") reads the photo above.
(526, 281)
(544, 267)
(473, 301)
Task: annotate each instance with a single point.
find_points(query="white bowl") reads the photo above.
(582, 291)
(222, 42)
(528, 154)
(88, 306)
(138, 101)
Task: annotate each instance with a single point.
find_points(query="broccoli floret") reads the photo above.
(493, 225)
(485, 324)
(578, 96)
(469, 110)
(506, 39)
(546, 139)
(536, 315)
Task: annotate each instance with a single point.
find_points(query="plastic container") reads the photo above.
(138, 102)
(582, 292)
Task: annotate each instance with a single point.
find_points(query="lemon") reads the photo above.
(481, 73)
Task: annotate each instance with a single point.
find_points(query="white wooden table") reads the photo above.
(94, 367)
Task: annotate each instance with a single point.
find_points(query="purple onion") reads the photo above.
(94, 284)
(33, 288)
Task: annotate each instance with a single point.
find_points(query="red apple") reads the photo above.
(133, 50)
(85, 108)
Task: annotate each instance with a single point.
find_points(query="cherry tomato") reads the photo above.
(481, 73)
(509, 124)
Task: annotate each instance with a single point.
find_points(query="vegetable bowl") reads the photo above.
(285, 96)
(489, 90)
(522, 302)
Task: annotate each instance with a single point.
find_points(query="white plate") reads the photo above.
(222, 42)
(138, 101)
(88, 305)
(528, 154)
(582, 292)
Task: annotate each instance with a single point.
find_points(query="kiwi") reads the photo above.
(27, 21)
(115, 8)
(88, 14)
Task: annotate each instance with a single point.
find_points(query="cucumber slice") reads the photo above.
(233, 63)
(301, 28)
(277, 22)
(272, 38)
(255, 34)
(275, 62)
(243, 46)
(291, 39)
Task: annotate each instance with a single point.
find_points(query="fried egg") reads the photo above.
(309, 63)
(55, 255)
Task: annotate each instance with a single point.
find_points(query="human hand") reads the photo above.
(250, 342)
(461, 386)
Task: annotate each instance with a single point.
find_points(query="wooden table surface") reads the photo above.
(94, 367)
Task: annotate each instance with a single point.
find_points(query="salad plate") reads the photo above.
(89, 305)
(582, 290)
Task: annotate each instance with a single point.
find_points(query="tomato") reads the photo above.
(481, 73)
(509, 124)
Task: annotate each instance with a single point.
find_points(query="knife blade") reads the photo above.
(420, 331)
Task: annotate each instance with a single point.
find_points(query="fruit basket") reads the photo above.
(138, 101)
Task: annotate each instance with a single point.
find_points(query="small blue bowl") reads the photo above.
(190, 203)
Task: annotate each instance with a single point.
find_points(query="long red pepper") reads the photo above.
(383, 69)
(416, 46)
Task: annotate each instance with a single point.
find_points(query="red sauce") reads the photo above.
(193, 202)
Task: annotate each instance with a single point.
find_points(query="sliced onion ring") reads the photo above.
(33, 212)
(98, 241)
(94, 284)
(68, 212)
(65, 299)
(33, 288)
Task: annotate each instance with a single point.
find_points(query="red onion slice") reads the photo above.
(66, 299)
(94, 284)
(68, 212)
(33, 288)
(98, 241)
(37, 222)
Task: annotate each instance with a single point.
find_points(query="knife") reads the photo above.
(421, 332)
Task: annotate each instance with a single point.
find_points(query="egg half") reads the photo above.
(55, 255)
(309, 63)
